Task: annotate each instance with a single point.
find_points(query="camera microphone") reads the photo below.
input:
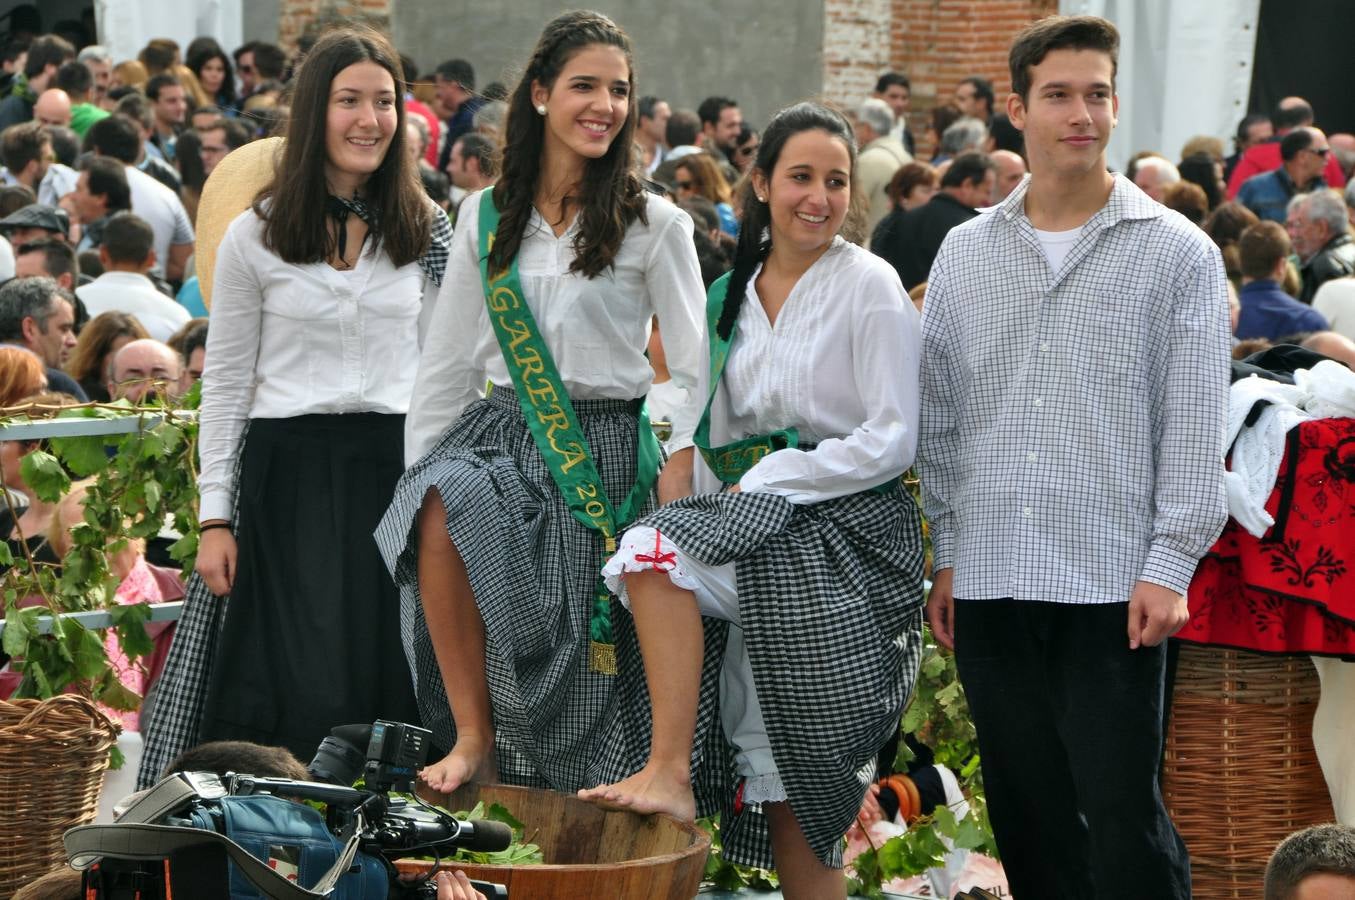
(484, 836)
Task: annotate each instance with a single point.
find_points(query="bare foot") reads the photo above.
(653, 789)
(472, 759)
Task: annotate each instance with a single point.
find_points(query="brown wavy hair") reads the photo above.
(707, 179)
(295, 226)
(610, 196)
(87, 362)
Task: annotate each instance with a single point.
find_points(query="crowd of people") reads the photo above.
(440, 317)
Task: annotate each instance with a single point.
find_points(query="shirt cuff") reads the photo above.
(1169, 568)
(215, 504)
(943, 548)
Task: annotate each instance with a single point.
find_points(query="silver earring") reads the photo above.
(761, 199)
(541, 108)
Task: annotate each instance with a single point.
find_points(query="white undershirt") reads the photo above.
(840, 365)
(1056, 245)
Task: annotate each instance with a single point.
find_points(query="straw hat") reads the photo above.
(229, 191)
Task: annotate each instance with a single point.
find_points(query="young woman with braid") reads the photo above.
(800, 536)
(512, 503)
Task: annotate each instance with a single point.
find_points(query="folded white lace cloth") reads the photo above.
(1325, 391)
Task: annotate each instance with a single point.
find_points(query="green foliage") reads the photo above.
(518, 853)
(730, 876)
(141, 481)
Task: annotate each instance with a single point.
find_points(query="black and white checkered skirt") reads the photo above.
(533, 569)
(171, 714)
(830, 595)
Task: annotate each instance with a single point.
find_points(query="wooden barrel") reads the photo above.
(1240, 773)
(590, 852)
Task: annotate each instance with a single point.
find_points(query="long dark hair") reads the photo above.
(755, 240)
(295, 227)
(203, 51)
(610, 196)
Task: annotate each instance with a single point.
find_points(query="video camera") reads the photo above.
(185, 822)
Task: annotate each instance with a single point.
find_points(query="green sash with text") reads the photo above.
(555, 428)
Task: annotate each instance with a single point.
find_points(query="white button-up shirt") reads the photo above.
(289, 340)
(1073, 421)
(840, 365)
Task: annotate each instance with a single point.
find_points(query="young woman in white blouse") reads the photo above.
(512, 502)
(311, 358)
(800, 535)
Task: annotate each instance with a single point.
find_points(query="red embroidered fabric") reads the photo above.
(1292, 591)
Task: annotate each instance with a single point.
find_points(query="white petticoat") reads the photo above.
(642, 549)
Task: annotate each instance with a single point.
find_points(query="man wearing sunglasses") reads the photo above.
(1303, 157)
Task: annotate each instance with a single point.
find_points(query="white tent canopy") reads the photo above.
(124, 26)
(1185, 69)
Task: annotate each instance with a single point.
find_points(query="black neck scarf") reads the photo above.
(338, 209)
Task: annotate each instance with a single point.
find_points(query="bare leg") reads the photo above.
(801, 873)
(458, 636)
(668, 625)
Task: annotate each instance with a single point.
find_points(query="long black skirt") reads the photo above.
(311, 637)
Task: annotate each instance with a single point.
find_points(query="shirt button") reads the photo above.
(1030, 457)
(1038, 403)
(1028, 512)
(1044, 346)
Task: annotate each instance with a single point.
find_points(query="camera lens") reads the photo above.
(337, 761)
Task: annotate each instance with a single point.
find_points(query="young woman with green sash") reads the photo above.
(801, 541)
(512, 502)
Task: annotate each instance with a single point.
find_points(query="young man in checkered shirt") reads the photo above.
(1075, 375)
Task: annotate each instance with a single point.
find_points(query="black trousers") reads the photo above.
(1070, 729)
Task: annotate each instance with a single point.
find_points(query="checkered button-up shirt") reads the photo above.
(1073, 422)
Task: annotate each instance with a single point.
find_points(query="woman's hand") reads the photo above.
(216, 559)
(675, 481)
(456, 886)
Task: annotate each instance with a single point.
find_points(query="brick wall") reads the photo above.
(935, 42)
(938, 42)
(295, 15)
(857, 47)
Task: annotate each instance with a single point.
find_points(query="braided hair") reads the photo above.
(610, 196)
(755, 240)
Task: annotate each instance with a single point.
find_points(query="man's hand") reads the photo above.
(1155, 614)
(216, 560)
(456, 886)
(941, 607)
(675, 481)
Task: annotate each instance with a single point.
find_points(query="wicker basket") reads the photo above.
(53, 755)
(1240, 772)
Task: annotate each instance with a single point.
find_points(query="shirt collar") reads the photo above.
(1126, 202)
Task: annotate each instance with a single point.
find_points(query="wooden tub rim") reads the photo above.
(701, 843)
